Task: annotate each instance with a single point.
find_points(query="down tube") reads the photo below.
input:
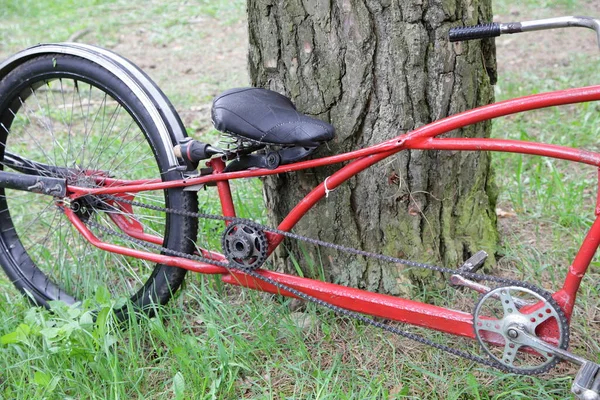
(330, 183)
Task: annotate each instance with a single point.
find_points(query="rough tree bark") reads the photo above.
(375, 69)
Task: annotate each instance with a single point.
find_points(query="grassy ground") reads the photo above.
(221, 342)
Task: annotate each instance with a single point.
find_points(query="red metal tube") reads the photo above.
(416, 313)
(566, 296)
(320, 191)
(405, 141)
(509, 146)
(598, 194)
(455, 322)
(379, 305)
(227, 206)
(507, 107)
(143, 255)
(384, 306)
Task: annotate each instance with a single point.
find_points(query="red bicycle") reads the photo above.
(99, 186)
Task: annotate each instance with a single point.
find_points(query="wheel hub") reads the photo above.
(85, 206)
(241, 247)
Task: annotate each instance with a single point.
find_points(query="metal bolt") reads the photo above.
(38, 187)
(512, 333)
(56, 190)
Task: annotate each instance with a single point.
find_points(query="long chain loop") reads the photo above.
(338, 310)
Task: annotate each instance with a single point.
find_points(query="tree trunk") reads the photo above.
(376, 69)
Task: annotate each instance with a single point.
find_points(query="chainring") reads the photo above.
(511, 306)
(244, 246)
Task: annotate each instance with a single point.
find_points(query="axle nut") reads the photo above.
(512, 333)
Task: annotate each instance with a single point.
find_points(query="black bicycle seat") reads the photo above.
(264, 116)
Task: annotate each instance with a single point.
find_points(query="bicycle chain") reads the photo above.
(338, 310)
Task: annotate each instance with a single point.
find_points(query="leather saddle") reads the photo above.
(266, 117)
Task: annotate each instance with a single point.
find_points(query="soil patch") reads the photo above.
(193, 68)
(533, 51)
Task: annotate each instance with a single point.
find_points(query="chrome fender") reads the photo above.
(161, 111)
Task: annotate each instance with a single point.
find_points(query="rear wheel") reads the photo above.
(70, 118)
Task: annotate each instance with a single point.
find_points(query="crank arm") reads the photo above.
(459, 280)
(472, 265)
(520, 336)
(586, 385)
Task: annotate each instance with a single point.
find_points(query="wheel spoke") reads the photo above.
(64, 123)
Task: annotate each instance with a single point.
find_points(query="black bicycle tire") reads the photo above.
(180, 232)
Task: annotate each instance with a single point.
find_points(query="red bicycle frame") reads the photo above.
(385, 306)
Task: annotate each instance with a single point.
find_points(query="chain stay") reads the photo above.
(307, 297)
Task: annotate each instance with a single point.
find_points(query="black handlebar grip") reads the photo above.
(474, 32)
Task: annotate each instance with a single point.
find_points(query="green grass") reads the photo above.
(216, 341)
(47, 21)
(547, 7)
(554, 200)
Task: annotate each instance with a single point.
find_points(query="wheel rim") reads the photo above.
(80, 125)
